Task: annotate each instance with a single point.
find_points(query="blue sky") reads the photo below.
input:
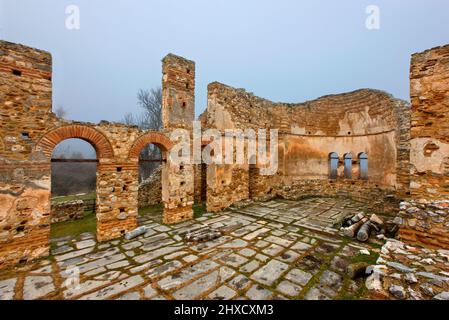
(281, 50)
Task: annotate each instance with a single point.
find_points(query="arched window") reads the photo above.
(348, 166)
(363, 166)
(333, 165)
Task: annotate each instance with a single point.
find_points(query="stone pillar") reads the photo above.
(117, 194)
(25, 103)
(178, 112)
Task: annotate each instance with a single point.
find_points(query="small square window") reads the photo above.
(122, 210)
(25, 135)
(119, 169)
(17, 73)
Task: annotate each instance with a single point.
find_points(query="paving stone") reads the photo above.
(95, 271)
(240, 282)
(45, 269)
(256, 233)
(278, 241)
(36, 287)
(73, 254)
(131, 245)
(222, 293)
(162, 228)
(250, 266)
(338, 263)
(62, 249)
(330, 283)
(234, 260)
(85, 244)
(257, 292)
(261, 244)
(289, 256)
(101, 262)
(110, 275)
(114, 289)
(236, 243)
(190, 258)
(300, 246)
(288, 288)
(184, 275)
(149, 292)
(73, 289)
(155, 254)
(198, 287)
(299, 276)
(156, 244)
(130, 253)
(130, 296)
(145, 266)
(261, 257)
(273, 250)
(315, 294)
(164, 269)
(175, 255)
(442, 296)
(269, 272)
(247, 252)
(118, 264)
(7, 289)
(225, 273)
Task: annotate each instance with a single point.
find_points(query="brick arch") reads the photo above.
(101, 144)
(156, 138)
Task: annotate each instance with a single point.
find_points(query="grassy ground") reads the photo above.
(151, 210)
(87, 196)
(198, 210)
(76, 227)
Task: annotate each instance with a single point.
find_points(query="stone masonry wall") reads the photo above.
(425, 218)
(150, 190)
(425, 222)
(429, 92)
(29, 132)
(66, 211)
(367, 121)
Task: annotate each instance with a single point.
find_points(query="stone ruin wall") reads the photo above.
(426, 221)
(67, 211)
(429, 91)
(150, 190)
(29, 131)
(367, 121)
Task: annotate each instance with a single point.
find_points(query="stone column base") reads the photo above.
(113, 229)
(176, 215)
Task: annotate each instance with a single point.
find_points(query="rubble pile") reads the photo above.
(361, 227)
(407, 272)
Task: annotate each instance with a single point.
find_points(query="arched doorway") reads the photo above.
(73, 189)
(103, 150)
(151, 160)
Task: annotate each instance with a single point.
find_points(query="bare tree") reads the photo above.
(149, 119)
(61, 112)
(129, 119)
(151, 102)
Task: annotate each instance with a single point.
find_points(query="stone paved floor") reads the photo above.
(274, 250)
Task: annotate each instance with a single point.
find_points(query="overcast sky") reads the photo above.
(282, 50)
